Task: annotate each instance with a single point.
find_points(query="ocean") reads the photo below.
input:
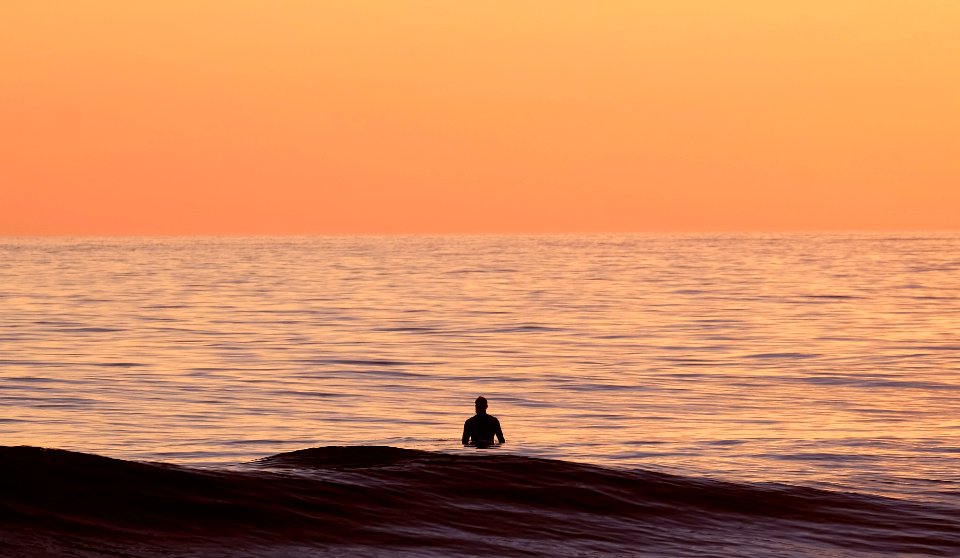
(663, 395)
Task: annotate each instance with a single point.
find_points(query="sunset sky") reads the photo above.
(310, 117)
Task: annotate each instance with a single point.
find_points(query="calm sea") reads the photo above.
(820, 360)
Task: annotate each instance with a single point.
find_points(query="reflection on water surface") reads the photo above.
(812, 359)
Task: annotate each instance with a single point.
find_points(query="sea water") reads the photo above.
(816, 360)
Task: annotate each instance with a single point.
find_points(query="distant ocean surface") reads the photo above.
(717, 376)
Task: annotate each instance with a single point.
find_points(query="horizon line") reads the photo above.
(731, 232)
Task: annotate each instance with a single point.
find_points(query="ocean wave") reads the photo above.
(366, 500)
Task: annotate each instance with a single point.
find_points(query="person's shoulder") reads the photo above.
(494, 419)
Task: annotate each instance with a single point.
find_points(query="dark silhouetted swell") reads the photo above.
(386, 501)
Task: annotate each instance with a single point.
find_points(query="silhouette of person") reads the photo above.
(480, 429)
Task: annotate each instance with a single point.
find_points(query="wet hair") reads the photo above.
(481, 402)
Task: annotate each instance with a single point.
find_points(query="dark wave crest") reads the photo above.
(385, 501)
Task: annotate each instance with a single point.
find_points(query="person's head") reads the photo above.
(481, 405)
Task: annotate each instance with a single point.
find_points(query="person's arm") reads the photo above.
(500, 433)
(465, 439)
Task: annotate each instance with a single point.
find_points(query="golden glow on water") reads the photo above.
(804, 358)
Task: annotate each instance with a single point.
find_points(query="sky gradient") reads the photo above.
(309, 117)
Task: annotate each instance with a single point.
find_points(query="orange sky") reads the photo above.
(381, 116)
